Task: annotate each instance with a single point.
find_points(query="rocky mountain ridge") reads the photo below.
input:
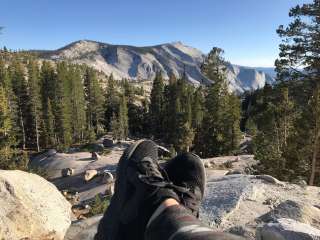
(141, 63)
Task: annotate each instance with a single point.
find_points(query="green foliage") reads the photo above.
(219, 133)
(300, 47)
(91, 147)
(6, 134)
(105, 152)
(77, 102)
(39, 171)
(119, 122)
(286, 117)
(203, 120)
(47, 75)
(13, 159)
(251, 127)
(227, 164)
(137, 118)
(156, 106)
(35, 101)
(271, 123)
(99, 205)
(95, 100)
(111, 102)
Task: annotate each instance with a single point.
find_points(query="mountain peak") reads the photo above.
(142, 63)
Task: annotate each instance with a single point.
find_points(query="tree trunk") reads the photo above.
(314, 159)
(37, 134)
(316, 147)
(37, 128)
(23, 130)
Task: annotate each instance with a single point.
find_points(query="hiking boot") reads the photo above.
(187, 171)
(140, 188)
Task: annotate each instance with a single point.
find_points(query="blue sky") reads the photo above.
(245, 29)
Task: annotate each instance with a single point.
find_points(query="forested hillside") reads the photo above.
(48, 105)
(285, 119)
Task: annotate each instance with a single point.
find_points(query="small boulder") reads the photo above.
(300, 182)
(106, 177)
(95, 156)
(72, 196)
(108, 142)
(287, 229)
(271, 201)
(81, 210)
(110, 190)
(67, 172)
(51, 152)
(213, 163)
(207, 165)
(90, 174)
(270, 179)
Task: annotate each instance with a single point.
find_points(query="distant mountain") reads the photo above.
(141, 63)
(270, 71)
(247, 78)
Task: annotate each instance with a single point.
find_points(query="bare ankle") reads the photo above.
(169, 202)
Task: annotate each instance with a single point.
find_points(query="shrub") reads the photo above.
(99, 205)
(39, 171)
(12, 159)
(228, 164)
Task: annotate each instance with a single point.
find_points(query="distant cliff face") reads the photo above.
(141, 63)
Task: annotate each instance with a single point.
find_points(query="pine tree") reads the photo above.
(5, 131)
(178, 114)
(197, 108)
(184, 134)
(10, 158)
(115, 128)
(95, 100)
(6, 83)
(156, 106)
(220, 129)
(232, 123)
(300, 47)
(274, 123)
(119, 120)
(123, 117)
(47, 92)
(19, 85)
(137, 118)
(61, 106)
(111, 102)
(171, 107)
(78, 105)
(6, 138)
(35, 101)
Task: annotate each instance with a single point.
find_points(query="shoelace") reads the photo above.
(187, 195)
(154, 176)
(189, 200)
(158, 177)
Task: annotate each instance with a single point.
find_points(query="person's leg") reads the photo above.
(179, 221)
(144, 194)
(172, 221)
(139, 189)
